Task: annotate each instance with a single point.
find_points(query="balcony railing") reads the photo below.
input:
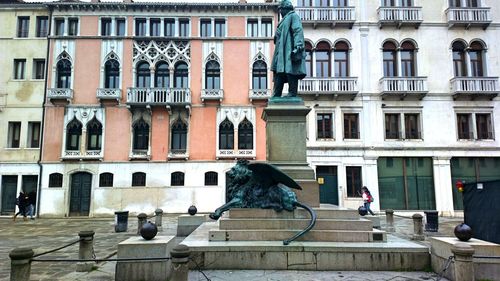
(139, 154)
(82, 155)
(236, 153)
(212, 94)
(404, 86)
(330, 15)
(469, 16)
(109, 94)
(400, 16)
(475, 87)
(158, 96)
(259, 94)
(178, 154)
(60, 93)
(336, 86)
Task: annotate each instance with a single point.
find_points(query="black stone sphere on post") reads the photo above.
(192, 210)
(463, 232)
(149, 230)
(362, 211)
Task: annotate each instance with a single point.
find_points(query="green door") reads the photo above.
(9, 189)
(30, 184)
(81, 184)
(328, 185)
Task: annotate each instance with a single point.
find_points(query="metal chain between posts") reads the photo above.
(199, 268)
(445, 267)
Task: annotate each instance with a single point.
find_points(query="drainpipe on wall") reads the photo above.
(39, 192)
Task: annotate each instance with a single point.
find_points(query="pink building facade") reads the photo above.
(149, 105)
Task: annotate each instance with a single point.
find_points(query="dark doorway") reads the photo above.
(81, 184)
(9, 189)
(328, 184)
(30, 184)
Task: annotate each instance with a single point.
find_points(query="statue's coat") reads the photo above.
(289, 37)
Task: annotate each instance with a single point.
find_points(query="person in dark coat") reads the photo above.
(288, 63)
(22, 203)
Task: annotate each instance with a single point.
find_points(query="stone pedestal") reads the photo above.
(137, 247)
(187, 224)
(286, 145)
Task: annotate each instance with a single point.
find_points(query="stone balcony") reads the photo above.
(82, 155)
(140, 154)
(212, 94)
(259, 94)
(472, 88)
(332, 16)
(109, 94)
(469, 17)
(60, 94)
(403, 87)
(178, 154)
(235, 153)
(158, 97)
(337, 87)
(399, 16)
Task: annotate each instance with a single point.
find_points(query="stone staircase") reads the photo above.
(333, 224)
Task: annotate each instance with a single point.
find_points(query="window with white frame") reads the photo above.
(351, 125)
(212, 27)
(112, 74)
(33, 135)
(403, 126)
(38, 69)
(14, 135)
(465, 3)
(259, 27)
(66, 26)
(23, 27)
(469, 60)
(399, 60)
(475, 126)
(158, 27)
(324, 125)
(73, 135)
(112, 26)
(42, 26)
(19, 69)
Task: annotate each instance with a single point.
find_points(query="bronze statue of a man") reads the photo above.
(288, 64)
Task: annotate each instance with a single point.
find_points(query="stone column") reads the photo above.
(464, 265)
(86, 251)
(418, 228)
(389, 219)
(20, 264)
(180, 259)
(158, 217)
(443, 187)
(141, 220)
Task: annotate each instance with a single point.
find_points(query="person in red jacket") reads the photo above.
(367, 199)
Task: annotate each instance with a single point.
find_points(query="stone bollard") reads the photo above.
(20, 264)
(158, 216)
(464, 265)
(141, 220)
(418, 228)
(389, 220)
(86, 251)
(180, 259)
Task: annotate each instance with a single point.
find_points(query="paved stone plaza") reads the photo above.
(47, 234)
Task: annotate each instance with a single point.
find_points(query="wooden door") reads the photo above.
(81, 184)
(9, 190)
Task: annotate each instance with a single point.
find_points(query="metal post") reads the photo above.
(141, 220)
(464, 265)
(86, 250)
(20, 264)
(158, 216)
(418, 227)
(389, 220)
(180, 258)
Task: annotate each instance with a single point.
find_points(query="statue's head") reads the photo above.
(285, 7)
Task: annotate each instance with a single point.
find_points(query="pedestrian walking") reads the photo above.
(31, 204)
(367, 199)
(22, 204)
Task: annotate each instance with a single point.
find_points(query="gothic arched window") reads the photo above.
(141, 135)
(112, 74)
(259, 75)
(212, 75)
(94, 135)
(245, 135)
(63, 75)
(226, 135)
(73, 134)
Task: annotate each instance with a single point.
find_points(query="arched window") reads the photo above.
(139, 179)
(390, 65)
(321, 3)
(63, 74)
(106, 180)
(55, 180)
(162, 75)
(226, 135)
(211, 178)
(245, 135)
(73, 133)
(305, 3)
(143, 75)
(94, 135)
(459, 65)
(309, 60)
(112, 74)
(179, 135)
(476, 59)
(177, 179)
(341, 59)
(212, 75)
(181, 75)
(141, 135)
(259, 75)
(408, 67)
(323, 66)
